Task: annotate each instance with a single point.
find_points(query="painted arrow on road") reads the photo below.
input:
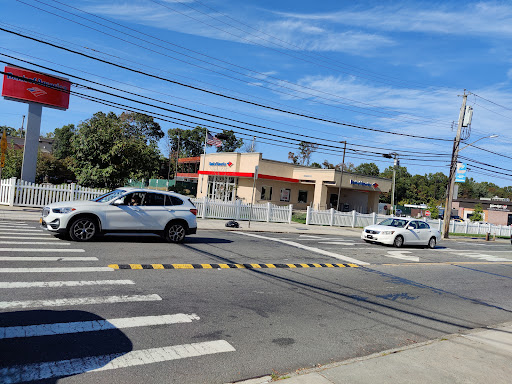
(402, 255)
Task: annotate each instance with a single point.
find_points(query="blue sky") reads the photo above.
(392, 66)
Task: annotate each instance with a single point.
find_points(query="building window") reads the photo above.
(266, 193)
(222, 188)
(303, 197)
(285, 194)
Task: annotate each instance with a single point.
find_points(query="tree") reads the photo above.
(229, 141)
(367, 169)
(477, 213)
(109, 149)
(303, 156)
(316, 165)
(434, 211)
(12, 132)
(52, 170)
(191, 141)
(62, 141)
(13, 162)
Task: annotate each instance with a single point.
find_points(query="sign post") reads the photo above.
(38, 90)
(3, 149)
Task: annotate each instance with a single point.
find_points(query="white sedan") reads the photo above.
(402, 231)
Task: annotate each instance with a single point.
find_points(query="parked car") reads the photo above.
(399, 232)
(168, 214)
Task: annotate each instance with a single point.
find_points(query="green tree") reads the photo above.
(191, 141)
(434, 211)
(316, 165)
(62, 141)
(52, 170)
(402, 184)
(13, 162)
(477, 213)
(12, 132)
(109, 149)
(229, 141)
(368, 169)
(303, 156)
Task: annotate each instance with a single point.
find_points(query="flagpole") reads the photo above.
(204, 157)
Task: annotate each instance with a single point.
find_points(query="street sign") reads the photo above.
(427, 213)
(460, 175)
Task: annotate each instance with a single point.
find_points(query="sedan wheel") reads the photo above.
(175, 233)
(399, 241)
(432, 243)
(83, 229)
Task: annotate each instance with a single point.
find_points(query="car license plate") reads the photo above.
(40, 220)
(369, 236)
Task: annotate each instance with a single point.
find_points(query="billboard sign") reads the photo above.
(28, 86)
(460, 175)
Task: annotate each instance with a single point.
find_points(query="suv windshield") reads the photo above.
(110, 196)
(398, 223)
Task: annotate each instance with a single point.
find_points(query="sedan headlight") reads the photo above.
(387, 232)
(63, 210)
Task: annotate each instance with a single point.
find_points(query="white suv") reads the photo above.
(123, 210)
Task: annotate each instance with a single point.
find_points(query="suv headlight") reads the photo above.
(387, 232)
(63, 210)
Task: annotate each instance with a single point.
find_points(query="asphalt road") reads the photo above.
(218, 324)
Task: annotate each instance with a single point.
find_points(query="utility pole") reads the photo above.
(396, 163)
(453, 167)
(341, 177)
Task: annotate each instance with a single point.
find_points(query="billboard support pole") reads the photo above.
(28, 171)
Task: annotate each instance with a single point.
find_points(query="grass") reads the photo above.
(299, 217)
(479, 235)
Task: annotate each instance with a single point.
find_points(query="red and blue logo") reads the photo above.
(230, 163)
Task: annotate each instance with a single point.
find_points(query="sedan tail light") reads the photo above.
(194, 211)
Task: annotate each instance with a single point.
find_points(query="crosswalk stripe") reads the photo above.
(46, 258)
(43, 236)
(52, 369)
(33, 242)
(93, 325)
(19, 230)
(59, 284)
(41, 250)
(56, 270)
(77, 301)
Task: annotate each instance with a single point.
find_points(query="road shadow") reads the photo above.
(58, 351)
(149, 238)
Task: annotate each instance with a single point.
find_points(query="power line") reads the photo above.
(220, 94)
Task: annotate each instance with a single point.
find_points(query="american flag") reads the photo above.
(211, 140)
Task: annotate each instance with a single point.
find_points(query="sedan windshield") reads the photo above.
(398, 223)
(110, 196)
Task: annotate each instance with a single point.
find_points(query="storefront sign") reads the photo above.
(498, 207)
(364, 183)
(24, 85)
(460, 175)
(220, 164)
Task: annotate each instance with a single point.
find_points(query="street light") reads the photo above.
(396, 163)
(451, 183)
(341, 177)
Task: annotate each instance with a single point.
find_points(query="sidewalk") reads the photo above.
(478, 356)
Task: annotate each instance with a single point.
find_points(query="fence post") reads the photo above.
(72, 191)
(374, 218)
(308, 215)
(12, 191)
(467, 227)
(238, 204)
(290, 213)
(331, 219)
(478, 228)
(269, 207)
(354, 218)
(205, 201)
(499, 231)
(440, 225)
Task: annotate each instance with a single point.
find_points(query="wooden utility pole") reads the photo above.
(453, 167)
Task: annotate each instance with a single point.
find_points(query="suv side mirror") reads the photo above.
(118, 202)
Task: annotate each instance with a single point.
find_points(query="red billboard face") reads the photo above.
(42, 89)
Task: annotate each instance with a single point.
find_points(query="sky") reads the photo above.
(384, 76)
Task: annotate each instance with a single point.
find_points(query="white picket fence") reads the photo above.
(21, 193)
(214, 209)
(354, 219)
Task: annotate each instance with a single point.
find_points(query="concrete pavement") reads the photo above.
(478, 356)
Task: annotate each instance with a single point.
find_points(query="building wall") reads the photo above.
(497, 217)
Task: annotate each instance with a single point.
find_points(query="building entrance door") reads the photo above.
(509, 219)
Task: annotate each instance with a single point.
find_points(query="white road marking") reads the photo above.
(44, 237)
(20, 229)
(77, 301)
(321, 238)
(33, 242)
(47, 370)
(311, 236)
(57, 270)
(93, 325)
(41, 250)
(469, 250)
(482, 256)
(335, 243)
(59, 284)
(305, 247)
(401, 255)
(46, 258)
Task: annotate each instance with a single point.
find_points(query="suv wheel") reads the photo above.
(83, 229)
(175, 233)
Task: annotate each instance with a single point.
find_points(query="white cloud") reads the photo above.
(482, 19)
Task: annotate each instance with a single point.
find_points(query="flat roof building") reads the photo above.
(229, 176)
